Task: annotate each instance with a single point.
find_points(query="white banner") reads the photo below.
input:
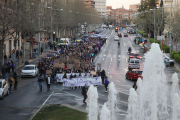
(76, 82)
(59, 77)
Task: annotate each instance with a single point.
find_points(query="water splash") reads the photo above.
(175, 83)
(133, 106)
(92, 103)
(112, 100)
(105, 113)
(153, 95)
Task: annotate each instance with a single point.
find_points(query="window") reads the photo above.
(138, 72)
(28, 68)
(136, 61)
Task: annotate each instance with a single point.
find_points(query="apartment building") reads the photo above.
(89, 3)
(134, 7)
(100, 6)
(119, 15)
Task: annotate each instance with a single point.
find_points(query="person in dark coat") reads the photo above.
(84, 92)
(103, 74)
(3, 71)
(134, 85)
(41, 50)
(106, 83)
(15, 76)
(26, 63)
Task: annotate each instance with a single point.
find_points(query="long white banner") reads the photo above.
(74, 82)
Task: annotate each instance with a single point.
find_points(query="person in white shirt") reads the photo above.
(48, 82)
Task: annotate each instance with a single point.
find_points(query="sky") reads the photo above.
(119, 3)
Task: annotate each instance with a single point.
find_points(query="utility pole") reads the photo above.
(51, 22)
(154, 25)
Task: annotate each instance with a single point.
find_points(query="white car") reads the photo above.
(116, 38)
(29, 70)
(168, 61)
(4, 88)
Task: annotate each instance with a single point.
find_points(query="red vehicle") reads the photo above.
(134, 74)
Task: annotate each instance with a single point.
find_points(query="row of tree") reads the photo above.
(25, 18)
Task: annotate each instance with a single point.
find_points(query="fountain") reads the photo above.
(105, 113)
(112, 100)
(153, 101)
(92, 103)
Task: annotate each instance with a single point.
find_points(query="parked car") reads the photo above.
(51, 55)
(134, 74)
(134, 63)
(57, 53)
(29, 70)
(97, 32)
(4, 88)
(116, 38)
(104, 37)
(44, 58)
(168, 61)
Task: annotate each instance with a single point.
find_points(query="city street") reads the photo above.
(22, 103)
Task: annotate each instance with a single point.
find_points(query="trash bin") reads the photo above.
(34, 54)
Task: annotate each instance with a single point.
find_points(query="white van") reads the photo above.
(64, 41)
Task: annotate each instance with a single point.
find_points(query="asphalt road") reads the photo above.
(24, 102)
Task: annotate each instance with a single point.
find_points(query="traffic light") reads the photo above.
(116, 29)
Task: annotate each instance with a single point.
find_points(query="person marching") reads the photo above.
(103, 74)
(15, 76)
(40, 81)
(48, 82)
(106, 83)
(84, 92)
(11, 81)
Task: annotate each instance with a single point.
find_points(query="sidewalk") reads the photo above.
(31, 61)
(176, 65)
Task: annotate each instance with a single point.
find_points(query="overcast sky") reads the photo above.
(119, 3)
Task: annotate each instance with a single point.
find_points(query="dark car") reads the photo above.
(51, 55)
(96, 32)
(57, 54)
(119, 35)
(134, 74)
(134, 55)
(44, 58)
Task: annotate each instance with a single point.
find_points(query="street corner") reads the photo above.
(176, 68)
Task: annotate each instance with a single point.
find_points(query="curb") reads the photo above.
(176, 68)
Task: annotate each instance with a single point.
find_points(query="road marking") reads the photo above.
(123, 92)
(109, 66)
(117, 81)
(42, 104)
(110, 77)
(111, 59)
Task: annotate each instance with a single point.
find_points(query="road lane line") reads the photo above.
(123, 92)
(117, 81)
(42, 105)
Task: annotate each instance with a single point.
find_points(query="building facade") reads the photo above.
(119, 15)
(134, 7)
(100, 6)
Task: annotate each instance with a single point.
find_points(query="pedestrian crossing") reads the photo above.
(112, 56)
